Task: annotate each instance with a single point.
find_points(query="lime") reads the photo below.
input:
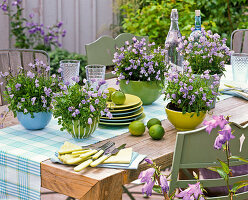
(111, 91)
(137, 128)
(152, 122)
(156, 132)
(118, 97)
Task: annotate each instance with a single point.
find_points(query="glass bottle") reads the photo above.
(172, 40)
(196, 33)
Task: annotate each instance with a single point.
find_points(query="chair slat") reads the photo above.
(4, 67)
(122, 38)
(15, 61)
(27, 58)
(245, 43)
(237, 41)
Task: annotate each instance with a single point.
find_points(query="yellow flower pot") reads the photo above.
(184, 122)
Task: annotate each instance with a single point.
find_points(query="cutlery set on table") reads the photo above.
(72, 154)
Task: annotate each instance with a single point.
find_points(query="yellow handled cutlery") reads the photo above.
(106, 155)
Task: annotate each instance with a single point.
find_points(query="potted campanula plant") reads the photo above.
(190, 97)
(78, 108)
(30, 94)
(140, 69)
(205, 51)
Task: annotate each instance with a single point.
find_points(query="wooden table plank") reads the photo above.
(103, 183)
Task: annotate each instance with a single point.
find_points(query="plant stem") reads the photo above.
(227, 157)
(229, 14)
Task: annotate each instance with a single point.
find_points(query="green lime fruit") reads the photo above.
(137, 128)
(156, 132)
(118, 97)
(111, 91)
(152, 122)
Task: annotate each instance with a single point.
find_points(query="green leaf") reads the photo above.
(157, 188)
(239, 158)
(224, 167)
(239, 185)
(220, 171)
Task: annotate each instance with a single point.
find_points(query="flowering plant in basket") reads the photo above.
(189, 93)
(80, 103)
(206, 52)
(31, 91)
(140, 62)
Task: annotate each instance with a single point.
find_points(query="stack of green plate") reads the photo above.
(124, 114)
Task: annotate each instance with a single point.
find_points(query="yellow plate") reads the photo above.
(141, 118)
(129, 116)
(126, 109)
(131, 100)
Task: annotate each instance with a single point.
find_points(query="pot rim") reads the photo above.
(141, 81)
(180, 111)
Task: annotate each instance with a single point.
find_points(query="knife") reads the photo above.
(99, 151)
(106, 155)
(86, 163)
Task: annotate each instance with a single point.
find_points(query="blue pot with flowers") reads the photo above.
(190, 98)
(30, 94)
(78, 108)
(206, 52)
(140, 69)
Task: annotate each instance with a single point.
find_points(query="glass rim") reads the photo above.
(239, 54)
(69, 61)
(95, 65)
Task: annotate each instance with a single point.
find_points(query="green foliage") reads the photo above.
(31, 91)
(61, 54)
(79, 104)
(152, 18)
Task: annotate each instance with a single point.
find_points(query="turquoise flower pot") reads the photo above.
(147, 91)
(40, 120)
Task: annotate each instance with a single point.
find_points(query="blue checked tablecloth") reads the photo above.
(22, 151)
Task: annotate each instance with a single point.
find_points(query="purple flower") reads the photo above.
(83, 101)
(92, 109)
(89, 121)
(33, 100)
(77, 111)
(164, 184)
(76, 79)
(30, 74)
(60, 70)
(179, 101)
(22, 99)
(25, 110)
(109, 115)
(97, 101)
(146, 175)
(31, 15)
(219, 141)
(73, 114)
(17, 86)
(70, 109)
(47, 91)
(148, 161)
(190, 87)
(147, 188)
(11, 96)
(173, 96)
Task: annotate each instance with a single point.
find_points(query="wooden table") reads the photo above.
(103, 183)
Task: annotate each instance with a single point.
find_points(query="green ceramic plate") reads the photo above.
(131, 100)
(126, 109)
(140, 111)
(141, 118)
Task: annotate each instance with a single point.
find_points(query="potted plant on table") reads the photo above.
(78, 108)
(205, 51)
(190, 97)
(140, 69)
(30, 94)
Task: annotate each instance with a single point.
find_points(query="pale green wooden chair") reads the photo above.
(102, 50)
(194, 149)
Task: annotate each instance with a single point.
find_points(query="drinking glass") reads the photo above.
(70, 68)
(94, 74)
(239, 62)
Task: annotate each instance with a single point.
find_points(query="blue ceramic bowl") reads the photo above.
(40, 120)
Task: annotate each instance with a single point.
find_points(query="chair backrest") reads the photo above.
(102, 50)
(239, 41)
(10, 59)
(194, 149)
